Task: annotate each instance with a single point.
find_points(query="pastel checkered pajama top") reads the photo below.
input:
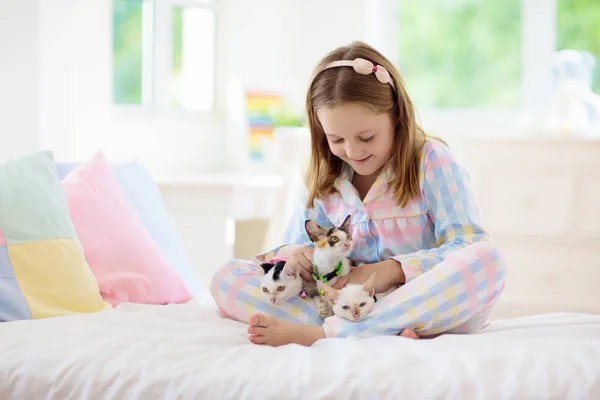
(419, 235)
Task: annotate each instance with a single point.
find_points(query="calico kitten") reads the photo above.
(279, 282)
(353, 302)
(330, 259)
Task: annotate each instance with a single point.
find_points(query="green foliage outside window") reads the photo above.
(461, 53)
(578, 27)
(127, 51)
(467, 53)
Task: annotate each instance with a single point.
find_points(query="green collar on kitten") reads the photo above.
(327, 277)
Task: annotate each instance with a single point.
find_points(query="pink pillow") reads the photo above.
(127, 263)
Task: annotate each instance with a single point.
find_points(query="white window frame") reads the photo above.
(157, 54)
(538, 42)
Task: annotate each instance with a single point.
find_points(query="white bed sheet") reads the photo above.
(189, 352)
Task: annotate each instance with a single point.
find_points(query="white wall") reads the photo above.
(19, 94)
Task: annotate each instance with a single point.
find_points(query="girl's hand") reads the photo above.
(388, 274)
(300, 256)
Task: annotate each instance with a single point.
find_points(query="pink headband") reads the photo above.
(365, 67)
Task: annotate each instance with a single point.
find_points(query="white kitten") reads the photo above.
(279, 282)
(330, 258)
(353, 302)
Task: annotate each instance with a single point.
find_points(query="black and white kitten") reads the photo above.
(279, 282)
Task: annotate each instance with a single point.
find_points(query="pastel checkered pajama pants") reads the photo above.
(455, 296)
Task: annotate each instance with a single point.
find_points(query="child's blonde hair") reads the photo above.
(335, 86)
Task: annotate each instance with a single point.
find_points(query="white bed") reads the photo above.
(189, 352)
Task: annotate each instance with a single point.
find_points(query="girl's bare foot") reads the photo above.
(271, 331)
(409, 334)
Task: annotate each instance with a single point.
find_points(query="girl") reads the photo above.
(414, 220)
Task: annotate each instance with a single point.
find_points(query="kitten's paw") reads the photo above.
(354, 263)
(324, 308)
(380, 296)
(311, 289)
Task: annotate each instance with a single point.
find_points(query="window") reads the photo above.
(192, 68)
(490, 55)
(461, 53)
(578, 28)
(164, 53)
(127, 51)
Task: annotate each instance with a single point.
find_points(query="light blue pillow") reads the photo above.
(144, 197)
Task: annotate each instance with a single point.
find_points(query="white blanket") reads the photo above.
(188, 352)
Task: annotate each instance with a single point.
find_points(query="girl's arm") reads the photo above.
(452, 208)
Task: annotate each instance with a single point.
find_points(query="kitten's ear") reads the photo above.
(331, 294)
(369, 285)
(291, 270)
(259, 269)
(346, 224)
(263, 268)
(313, 230)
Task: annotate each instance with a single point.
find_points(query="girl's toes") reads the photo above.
(259, 320)
(409, 334)
(257, 339)
(256, 330)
